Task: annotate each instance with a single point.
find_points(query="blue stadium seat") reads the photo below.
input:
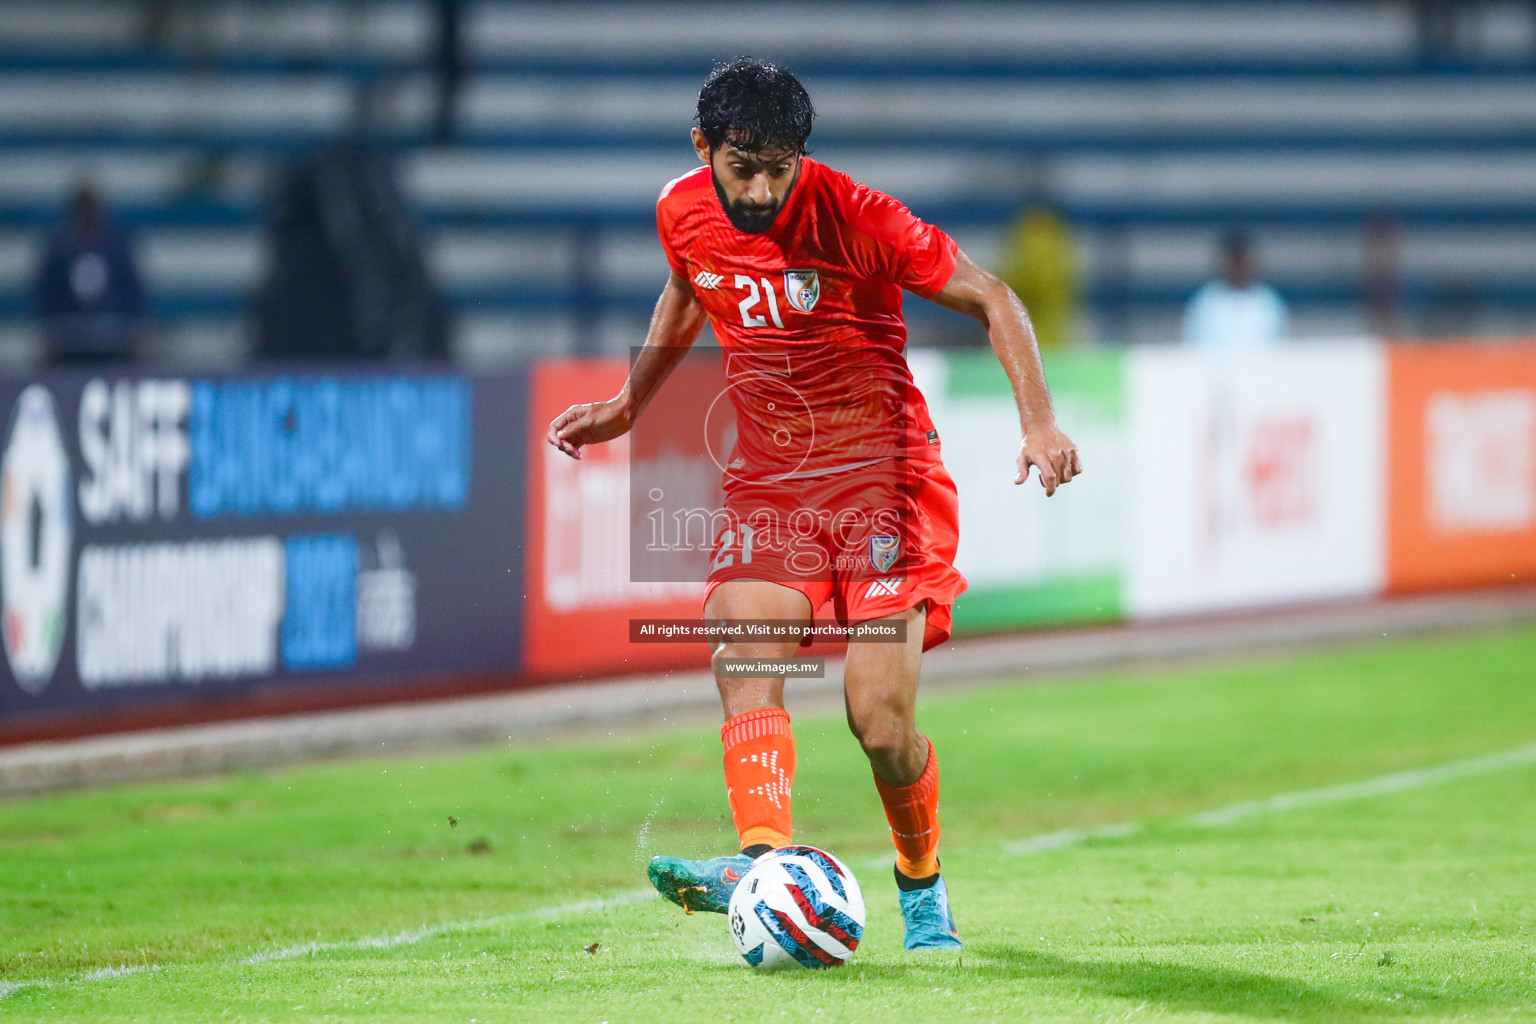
(1150, 127)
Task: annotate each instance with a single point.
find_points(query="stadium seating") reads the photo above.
(1151, 127)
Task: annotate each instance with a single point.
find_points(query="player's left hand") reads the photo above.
(588, 423)
(1052, 453)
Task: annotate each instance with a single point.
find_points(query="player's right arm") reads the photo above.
(675, 325)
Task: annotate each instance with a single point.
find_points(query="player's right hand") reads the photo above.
(586, 424)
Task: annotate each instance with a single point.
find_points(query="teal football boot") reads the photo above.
(698, 884)
(929, 921)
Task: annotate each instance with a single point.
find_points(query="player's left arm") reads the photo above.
(975, 291)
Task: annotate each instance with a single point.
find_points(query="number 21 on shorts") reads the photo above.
(724, 557)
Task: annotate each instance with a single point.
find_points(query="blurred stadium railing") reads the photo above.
(1150, 126)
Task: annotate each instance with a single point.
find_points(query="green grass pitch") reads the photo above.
(448, 888)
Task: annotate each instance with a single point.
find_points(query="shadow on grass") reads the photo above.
(1182, 986)
(1173, 986)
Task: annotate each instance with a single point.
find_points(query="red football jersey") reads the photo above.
(809, 316)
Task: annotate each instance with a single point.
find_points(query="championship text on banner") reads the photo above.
(167, 537)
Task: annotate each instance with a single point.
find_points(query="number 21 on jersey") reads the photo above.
(754, 299)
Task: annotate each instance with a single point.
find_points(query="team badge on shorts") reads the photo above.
(803, 288)
(883, 548)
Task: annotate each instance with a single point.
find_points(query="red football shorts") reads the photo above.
(873, 541)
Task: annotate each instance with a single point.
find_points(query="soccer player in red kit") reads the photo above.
(835, 487)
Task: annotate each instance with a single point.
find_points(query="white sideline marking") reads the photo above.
(385, 941)
(1065, 837)
(415, 935)
(10, 988)
(1395, 782)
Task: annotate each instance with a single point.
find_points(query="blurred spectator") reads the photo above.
(87, 294)
(1383, 247)
(1438, 27)
(1235, 311)
(348, 278)
(1038, 265)
(448, 61)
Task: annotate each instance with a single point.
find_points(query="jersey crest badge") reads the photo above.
(803, 288)
(883, 548)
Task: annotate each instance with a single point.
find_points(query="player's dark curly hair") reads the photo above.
(754, 105)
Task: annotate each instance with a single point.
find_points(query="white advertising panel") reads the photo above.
(1031, 560)
(1255, 478)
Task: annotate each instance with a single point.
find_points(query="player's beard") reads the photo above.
(751, 218)
(748, 218)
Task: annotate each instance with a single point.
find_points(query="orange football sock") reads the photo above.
(913, 812)
(759, 772)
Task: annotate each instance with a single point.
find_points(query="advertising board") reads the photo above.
(1462, 464)
(168, 537)
(1255, 478)
(581, 590)
(1031, 560)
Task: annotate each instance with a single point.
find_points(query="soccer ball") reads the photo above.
(797, 906)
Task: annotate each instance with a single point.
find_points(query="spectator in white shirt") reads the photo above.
(1235, 311)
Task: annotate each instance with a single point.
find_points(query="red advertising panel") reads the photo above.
(581, 591)
(1462, 465)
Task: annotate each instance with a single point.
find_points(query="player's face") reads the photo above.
(752, 185)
